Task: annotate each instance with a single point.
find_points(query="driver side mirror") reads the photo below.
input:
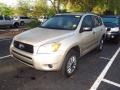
(108, 29)
(86, 29)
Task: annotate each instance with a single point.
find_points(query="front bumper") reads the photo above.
(45, 62)
(112, 35)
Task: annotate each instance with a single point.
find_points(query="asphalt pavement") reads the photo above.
(17, 76)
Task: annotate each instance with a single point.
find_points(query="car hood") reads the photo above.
(39, 36)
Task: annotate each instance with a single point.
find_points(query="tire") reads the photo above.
(100, 46)
(22, 23)
(16, 25)
(11, 26)
(116, 40)
(70, 63)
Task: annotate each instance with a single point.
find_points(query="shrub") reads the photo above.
(33, 24)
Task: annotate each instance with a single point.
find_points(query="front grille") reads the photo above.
(27, 60)
(23, 60)
(23, 46)
(22, 55)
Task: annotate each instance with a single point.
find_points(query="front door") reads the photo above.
(87, 37)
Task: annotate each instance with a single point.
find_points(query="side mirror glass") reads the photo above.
(87, 29)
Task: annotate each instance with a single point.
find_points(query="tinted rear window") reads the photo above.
(109, 24)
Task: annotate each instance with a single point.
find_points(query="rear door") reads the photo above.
(98, 28)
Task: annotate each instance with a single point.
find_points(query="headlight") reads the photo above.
(11, 45)
(49, 48)
(116, 29)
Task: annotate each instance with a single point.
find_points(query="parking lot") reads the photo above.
(96, 71)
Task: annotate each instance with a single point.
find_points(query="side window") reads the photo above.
(7, 18)
(87, 21)
(21, 17)
(100, 21)
(28, 18)
(97, 21)
(24, 17)
(1, 18)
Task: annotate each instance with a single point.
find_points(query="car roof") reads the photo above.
(74, 13)
(111, 16)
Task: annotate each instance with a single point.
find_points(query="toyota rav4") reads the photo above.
(59, 42)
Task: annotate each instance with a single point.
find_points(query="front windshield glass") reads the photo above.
(112, 20)
(64, 22)
(109, 24)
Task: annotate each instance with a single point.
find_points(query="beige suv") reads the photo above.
(59, 42)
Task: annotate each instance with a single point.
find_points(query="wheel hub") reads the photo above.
(71, 65)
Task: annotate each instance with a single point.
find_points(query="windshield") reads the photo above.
(109, 24)
(65, 22)
(112, 20)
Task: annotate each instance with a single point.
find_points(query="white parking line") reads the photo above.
(104, 58)
(111, 82)
(105, 70)
(4, 57)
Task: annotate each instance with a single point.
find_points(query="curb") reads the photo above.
(5, 37)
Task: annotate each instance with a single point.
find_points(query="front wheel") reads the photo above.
(116, 40)
(70, 63)
(16, 25)
(22, 23)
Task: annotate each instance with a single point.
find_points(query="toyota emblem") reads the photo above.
(21, 46)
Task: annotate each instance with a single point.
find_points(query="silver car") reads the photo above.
(59, 42)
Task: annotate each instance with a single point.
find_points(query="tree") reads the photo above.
(5, 10)
(114, 6)
(80, 5)
(40, 8)
(23, 7)
(56, 5)
(100, 7)
(96, 6)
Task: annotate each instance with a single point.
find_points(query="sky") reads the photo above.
(9, 2)
(12, 3)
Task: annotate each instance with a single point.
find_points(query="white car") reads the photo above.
(112, 24)
(23, 19)
(59, 42)
(7, 21)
